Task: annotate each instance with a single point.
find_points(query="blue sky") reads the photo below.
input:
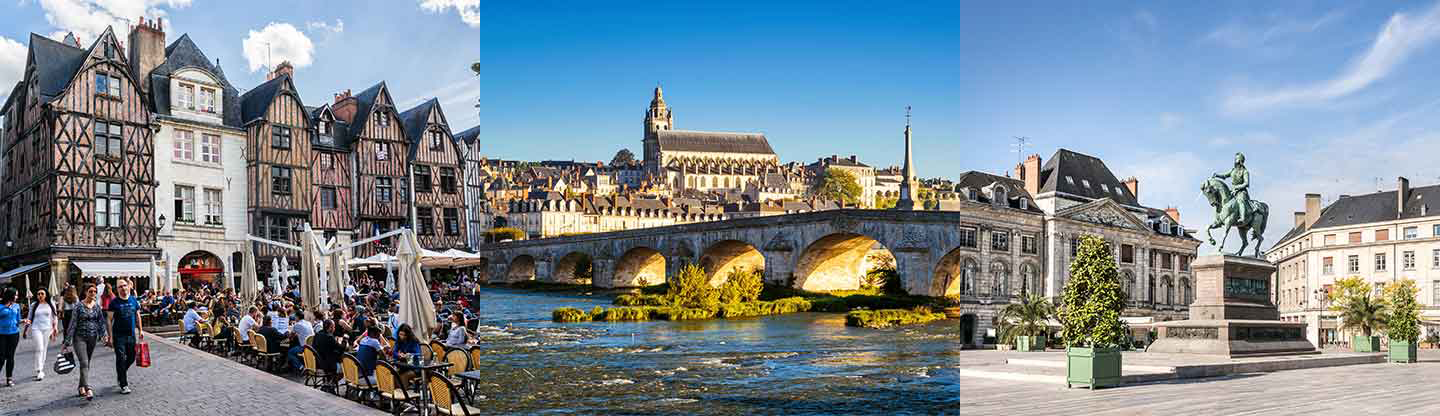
(1322, 96)
(425, 47)
(572, 80)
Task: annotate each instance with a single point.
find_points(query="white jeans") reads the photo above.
(42, 342)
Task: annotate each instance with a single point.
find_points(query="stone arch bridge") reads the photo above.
(822, 250)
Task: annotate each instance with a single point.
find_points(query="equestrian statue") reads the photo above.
(1234, 208)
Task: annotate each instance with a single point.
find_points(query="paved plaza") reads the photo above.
(182, 381)
(1389, 389)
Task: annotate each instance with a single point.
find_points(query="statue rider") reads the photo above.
(1240, 181)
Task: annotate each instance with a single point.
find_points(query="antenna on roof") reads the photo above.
(1021, 142)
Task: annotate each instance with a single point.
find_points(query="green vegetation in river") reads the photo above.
(890, 317)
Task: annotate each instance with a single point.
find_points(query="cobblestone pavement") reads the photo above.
(1388, 389)
(182, 381)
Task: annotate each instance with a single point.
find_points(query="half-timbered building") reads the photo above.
(436, 164)
(277, 163)
(79, 188)
(332, 208)
(377, 142)
(469, 142)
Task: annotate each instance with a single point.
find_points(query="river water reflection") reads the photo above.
(805, 363)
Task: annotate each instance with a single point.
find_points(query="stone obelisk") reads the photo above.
(907, 184)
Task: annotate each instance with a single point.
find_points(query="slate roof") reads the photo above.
(56, 64)
(364, 104)
(337, 130)
(413, 121)
(1379, 206)
(255, 103)
(1015, 188)
(181, 54)
(469, 136)
(711, 141)
(1080, 168)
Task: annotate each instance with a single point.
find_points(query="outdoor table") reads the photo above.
(470, 379)
(424, 367)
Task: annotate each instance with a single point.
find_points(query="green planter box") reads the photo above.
(1029, 344)
(1094, 367)
(1403, 351)
(1366, 344)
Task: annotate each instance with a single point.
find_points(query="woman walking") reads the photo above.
(10, 323)
(44, 327)
(86, 328)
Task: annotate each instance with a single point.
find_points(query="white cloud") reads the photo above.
(338, 27)
(469, 10)
(1401, 36)
(276, 43)
(89, 18)
(12, 65)
(1170, 120)
(1243, 36)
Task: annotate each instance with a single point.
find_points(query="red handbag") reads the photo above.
(142, 355)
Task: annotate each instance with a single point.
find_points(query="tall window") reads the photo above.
(107, 85)
(1380, 262)
(437, 140)
(1127, 253)
(327, 161)
(968, 272)
(207, 100)
(452, 221)
(109, 203)
(1407, 260)
(280, 137)
(214, 207)
(184, 145)
(967, 237)
(278, 228)
(425, 216)
(1354, 263)
(209, 148)
(1412, 233)
(279, 180)
(382, 151)
(1028, 245)
(1000, 241)
(1027, 279)
(108, 139)
(187, 96)
(1184, 262)
(1000, 279)
(327, 197)
(1165, 261)
(422, 178)
(184, 204)
(1327, 265)
(447, 180)
(384, 189)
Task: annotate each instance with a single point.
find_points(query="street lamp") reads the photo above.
(160, 222)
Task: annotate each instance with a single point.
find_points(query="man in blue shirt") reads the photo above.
(125, 330)
(191, 321)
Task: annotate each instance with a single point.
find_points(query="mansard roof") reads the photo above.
(1068, 172)
(1014, 189)
(713, 141)
(181, 54)
(1379, 206)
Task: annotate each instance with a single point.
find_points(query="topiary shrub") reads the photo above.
(1093, 298)
(691, 289)
(742, 285)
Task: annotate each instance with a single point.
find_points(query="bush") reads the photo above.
(1403, 321)
(597, 311)
(640, 300)
(742, 285)
(495, 235)
(691, 289)
(1093, 298)
(883, 280)
(890, 317)
(791, 305)
(569, 315)
(626, 313)
(684, 314)
(829, 304)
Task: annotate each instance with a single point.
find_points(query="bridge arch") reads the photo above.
(837, 262)
(947, 274)
(640, 266)
(726, 256)
(575, 267)
(521, 268)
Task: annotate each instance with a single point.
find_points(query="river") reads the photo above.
(803, 363)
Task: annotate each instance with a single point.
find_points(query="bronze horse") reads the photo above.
(1227, 214)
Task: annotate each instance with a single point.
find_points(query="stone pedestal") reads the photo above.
(1232, 314)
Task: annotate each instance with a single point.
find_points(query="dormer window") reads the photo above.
(381, 120)
(207, 100)
(1164, 227)
(436, 140)
(1069, 180)
(324, 127)
(974, 196)
(1024, 203)
(1086, 182)
(1105, 188)
(186, 97)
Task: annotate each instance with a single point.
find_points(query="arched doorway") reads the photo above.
(725, 257)
(640, 266)
(575, 267)
(200, 269)
(967, 330)
(521, 268)
(837, 262)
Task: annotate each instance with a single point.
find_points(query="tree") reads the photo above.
(1093, 298)
(839, 185)
(1026, 319)
(622, 157)
(1403, 321)
(1360, 310)
(885, 202)
(691, 289)
(741, 285)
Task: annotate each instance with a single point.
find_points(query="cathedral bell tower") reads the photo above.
(657, 118)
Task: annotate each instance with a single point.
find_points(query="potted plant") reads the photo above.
(1090, 316)
(1025, 322)
(1433, 340)
(1403, 321)
(1360, 311)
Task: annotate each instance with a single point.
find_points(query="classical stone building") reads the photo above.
(1380, 237)
(702, 160)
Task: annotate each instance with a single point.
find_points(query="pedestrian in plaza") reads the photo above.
(85, 328)
(44, 327)
(10, 323)
(125, 330)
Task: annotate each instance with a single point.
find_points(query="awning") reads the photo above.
(20, 270)
(113, 268)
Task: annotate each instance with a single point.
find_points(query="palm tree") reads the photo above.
(1027, 318)
(1358, 306)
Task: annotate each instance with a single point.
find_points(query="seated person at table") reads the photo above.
(368, 351)
(327, 349)
(300, 332)
(191, 322)
(457, 331)
(273, 337)
(406, 343)
(247, 324)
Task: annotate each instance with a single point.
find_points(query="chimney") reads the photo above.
(1401, 192)
(147, 49)
(1312, 209)
(283, 69)
(344, 107)
(1299, 218)
(1029, 171)
(1173, 213)
(1133, 185)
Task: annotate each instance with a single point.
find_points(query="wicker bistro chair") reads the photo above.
(387, 381)
(247, 349)
(425, 352)
(264, 357)
(445, 398)
(355, 385)
(323, 379)
(459, 363)
(437, 350)
(476, 356)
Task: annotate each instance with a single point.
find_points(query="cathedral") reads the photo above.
(703, 161)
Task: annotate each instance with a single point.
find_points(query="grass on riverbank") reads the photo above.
(884, 318)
